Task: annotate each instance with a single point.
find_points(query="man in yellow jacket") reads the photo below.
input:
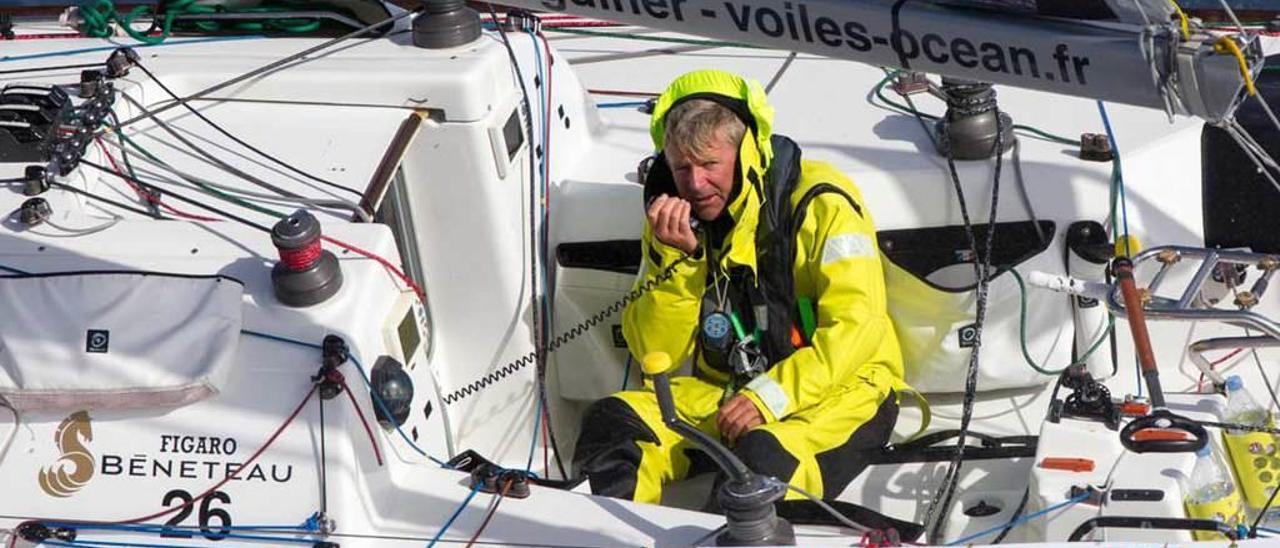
(777, 297)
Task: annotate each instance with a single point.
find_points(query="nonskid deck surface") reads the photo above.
(335, 115)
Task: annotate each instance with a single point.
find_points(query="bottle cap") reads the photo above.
(1234, 383)
(1203, 451)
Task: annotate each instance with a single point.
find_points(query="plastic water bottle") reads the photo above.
(1241, 407)
(1210, 482)
(1253, 454)
(1211, 494)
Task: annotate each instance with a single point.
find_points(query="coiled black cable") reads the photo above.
(560, 340)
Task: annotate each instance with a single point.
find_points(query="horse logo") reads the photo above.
(74, 468)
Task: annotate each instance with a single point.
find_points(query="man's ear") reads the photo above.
(657, 178)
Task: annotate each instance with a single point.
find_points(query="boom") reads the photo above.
(1151, 66)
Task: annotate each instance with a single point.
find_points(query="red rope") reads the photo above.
(300, 258)
(144, 195)
(228, 478)
(46, 36)
(493, 509)
(1215, 363)
(385, 263)
(206, 493)
(622, 93)
(367, 430)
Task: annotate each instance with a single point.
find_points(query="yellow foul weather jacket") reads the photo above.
(837, 266)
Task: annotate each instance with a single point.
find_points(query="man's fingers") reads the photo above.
(733, 417)
(673, 217)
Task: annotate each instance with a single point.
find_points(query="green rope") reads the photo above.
(205, 188)
(98, 16)
(1022, 334)
(906, 109)
(629, 36)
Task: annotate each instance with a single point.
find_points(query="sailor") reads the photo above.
(778, 298)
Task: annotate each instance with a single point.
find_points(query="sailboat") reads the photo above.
(348, 273)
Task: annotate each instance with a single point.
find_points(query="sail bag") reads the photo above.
(116, 340)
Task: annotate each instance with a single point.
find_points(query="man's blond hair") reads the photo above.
(693, 126)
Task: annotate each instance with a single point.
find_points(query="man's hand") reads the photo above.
(737, 416)
(669, 217)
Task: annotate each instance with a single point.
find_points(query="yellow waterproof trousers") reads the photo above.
(627, 452)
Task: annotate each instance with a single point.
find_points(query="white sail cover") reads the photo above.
(115, 340)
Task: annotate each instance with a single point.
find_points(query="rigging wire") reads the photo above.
(178, 197)
(150, 198)
(302, 56)
(337, 203)
(52, 68)
(542, 330)
(108, 201)
(240, 141)
(305, 201)
(548, 265)
(113, 47)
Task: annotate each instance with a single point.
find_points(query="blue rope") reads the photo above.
(540, 192)
(377, 399)
(1021, 520)
(1117, 176)
(622, 104)
(474, 489)
(77, 543)
(148, 527)
(626, 372)
(77, 51)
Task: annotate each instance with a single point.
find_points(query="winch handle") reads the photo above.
(1163, 420)
(656, 365)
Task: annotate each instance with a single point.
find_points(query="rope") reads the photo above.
(905, 109)
(1014, 523)
(982, 272)
(475, 488)
(1227, 45)
(1022, 334)
(493, 509)
(99, 15)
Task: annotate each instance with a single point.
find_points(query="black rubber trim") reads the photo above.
(1142, 522)
(922, 251)
(925, 448)
(621, 256)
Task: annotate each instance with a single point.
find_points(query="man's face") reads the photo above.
(705, 179)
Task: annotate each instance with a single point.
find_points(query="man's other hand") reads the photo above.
(737, 416)
(669, 217)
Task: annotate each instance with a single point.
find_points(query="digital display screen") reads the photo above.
(409, 337)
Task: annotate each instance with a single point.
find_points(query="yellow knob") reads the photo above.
(656, 363)
(1127, 246)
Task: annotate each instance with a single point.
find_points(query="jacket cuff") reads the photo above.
(768, 396)
(661, 255)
